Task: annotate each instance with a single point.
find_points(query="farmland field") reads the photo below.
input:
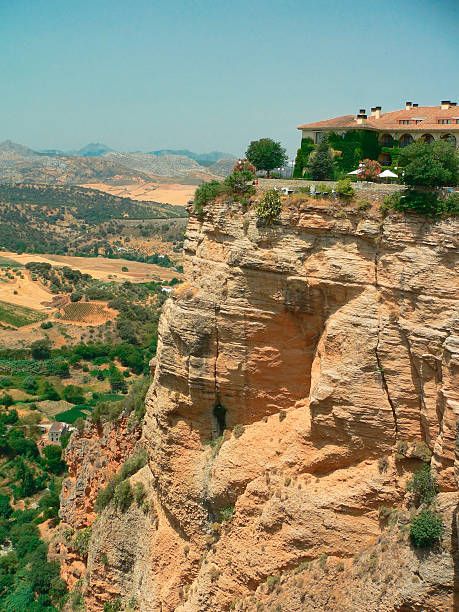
(19, 315)
(86, 312)
(103, 268)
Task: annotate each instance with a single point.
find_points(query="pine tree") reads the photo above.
(321, 165)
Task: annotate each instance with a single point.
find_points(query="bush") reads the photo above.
(139, 493)
(123, 497)
(425, 529)
(205, 193)
(238, 183)
(423, 486)
(46, 325)
(80, 542)
(270, 206)
(344, 188)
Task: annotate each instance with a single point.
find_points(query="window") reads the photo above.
(387, 141)
(444, 121)
(404, 121)
(406, 140)
(317, 137)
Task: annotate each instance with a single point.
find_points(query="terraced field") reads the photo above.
(19, 316)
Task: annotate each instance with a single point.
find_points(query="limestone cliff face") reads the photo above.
(92, 456)
(301, 373)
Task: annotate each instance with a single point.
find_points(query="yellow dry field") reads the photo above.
(29, 293)
(166, 193)
(99, 267)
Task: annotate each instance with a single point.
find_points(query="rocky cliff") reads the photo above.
(303, 374)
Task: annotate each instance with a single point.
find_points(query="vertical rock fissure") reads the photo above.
(378, 359)
(420, 389)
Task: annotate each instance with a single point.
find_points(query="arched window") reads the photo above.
(406, 140)
(450, 138)
(385, 159)
(387, 141)
(428, 138)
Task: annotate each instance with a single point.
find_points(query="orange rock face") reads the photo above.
(301, 375)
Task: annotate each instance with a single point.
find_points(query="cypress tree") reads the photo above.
(321, 166)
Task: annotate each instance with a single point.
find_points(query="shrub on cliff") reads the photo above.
(80, 542)
(270, 206)
(129, 467)
(344, 188)
(205, 193)
(123, 497)
(425, 529)
(423, 486)
(238, 183)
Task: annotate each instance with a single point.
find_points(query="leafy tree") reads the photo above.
(7, 400)
(30, 384)
(76, 296)
(41, 349)
(5, 509)
(73, 394)
(425, 529)
(116, 379)
(50, 392)
(53, 456)
(321, 162)
(266, 154)
(429, 165)
(49, 503)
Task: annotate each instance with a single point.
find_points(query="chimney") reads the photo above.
(415, 105)
(376, 112)
(361, 117)
(453, 103)
(445, 104)
(408, 105)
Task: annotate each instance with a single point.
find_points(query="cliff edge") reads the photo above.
(303, 373)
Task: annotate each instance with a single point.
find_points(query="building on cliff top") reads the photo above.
(396, 128)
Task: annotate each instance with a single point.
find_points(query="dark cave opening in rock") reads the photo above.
(219, 418)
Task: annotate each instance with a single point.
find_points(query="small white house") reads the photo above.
(56, 431)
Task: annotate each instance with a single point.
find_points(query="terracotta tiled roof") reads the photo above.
(428, 117)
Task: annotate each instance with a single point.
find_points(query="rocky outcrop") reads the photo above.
(93, 456)
(302, 373)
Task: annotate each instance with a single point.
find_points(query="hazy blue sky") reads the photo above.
(206, 74)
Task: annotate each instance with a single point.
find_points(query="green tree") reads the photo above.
(266, 154)
(41, 349)
(5, 509)
(30, 384)
(321, 163)
(53, 457)
(423, 485)
(429, 165)
(7, 400)
(50, 392)
(73, 394)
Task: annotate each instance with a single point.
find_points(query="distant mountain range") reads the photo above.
(98, 163)
(202, 158)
